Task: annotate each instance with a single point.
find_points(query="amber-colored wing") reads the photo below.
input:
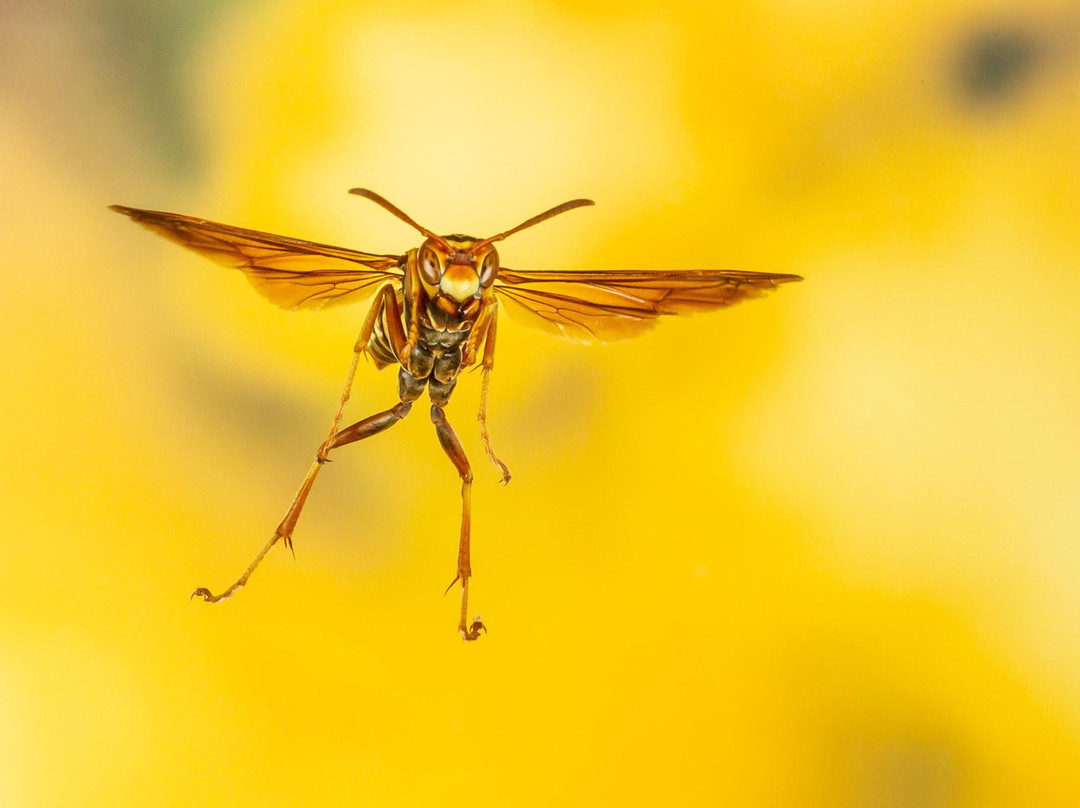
(607, 306)
(287, 271)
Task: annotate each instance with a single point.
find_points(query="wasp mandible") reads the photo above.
(434, 315)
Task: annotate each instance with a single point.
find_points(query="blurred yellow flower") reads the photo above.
(813, 551)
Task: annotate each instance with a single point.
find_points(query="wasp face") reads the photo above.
(457, 272)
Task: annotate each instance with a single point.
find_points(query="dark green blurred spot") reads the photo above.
(157, 44)
(997, 64)
(257, 416)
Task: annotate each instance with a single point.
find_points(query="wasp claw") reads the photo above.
(473, 632)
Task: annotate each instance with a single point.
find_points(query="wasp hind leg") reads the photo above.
(385, 300)
(450, 443)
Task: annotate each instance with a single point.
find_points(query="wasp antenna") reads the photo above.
(394, 209)
(540, 217)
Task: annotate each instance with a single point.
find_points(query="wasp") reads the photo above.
(434, 315)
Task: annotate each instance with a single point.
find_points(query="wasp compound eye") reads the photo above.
(489, 269)
(430, 266)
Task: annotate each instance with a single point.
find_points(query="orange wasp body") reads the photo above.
(434, 315)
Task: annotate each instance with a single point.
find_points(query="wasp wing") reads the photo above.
(289, 272)
(608, 306)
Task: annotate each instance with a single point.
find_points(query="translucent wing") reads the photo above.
(287, 271)
(607, 306)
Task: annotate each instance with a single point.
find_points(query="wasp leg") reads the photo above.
(386, 297)
(485, 378)
(452, 446)
(413, 289)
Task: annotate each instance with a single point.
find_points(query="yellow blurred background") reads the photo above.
(838, 568)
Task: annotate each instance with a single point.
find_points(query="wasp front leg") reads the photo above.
(414, 297)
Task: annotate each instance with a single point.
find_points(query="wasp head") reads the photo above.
(458, 266)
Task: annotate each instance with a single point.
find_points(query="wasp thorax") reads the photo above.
(460, 282)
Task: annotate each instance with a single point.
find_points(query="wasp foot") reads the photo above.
(472, 632)
(210, 597)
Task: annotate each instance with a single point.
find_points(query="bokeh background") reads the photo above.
(837, 568)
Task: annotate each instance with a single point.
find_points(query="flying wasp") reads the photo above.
(434, 315)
